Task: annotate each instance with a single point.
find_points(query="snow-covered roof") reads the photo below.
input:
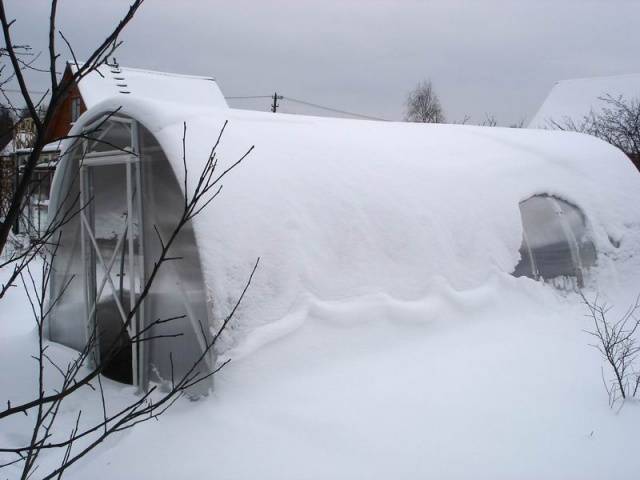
(576, 98)
(10, 149)
(345, 209)
(48, 148)
(117, 81)
(22, 138)
(52, 147)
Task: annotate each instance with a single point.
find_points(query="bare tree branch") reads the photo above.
(58, 93)
(52, 45)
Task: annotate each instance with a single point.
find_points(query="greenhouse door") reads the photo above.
(112, 250)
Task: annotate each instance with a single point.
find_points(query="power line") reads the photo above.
(344, 112)
(310, 104)
(250, 96)
(11, 90)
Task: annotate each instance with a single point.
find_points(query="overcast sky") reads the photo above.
(483, 56)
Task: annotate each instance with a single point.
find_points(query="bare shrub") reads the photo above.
(617, 342)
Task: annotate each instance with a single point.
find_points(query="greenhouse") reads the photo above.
(333, 208)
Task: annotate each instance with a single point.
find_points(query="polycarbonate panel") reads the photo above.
(71, 288)
(67, 321)
(112, 135)
(179, 288)
(556, 241)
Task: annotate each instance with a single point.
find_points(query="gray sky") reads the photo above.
(483, 56)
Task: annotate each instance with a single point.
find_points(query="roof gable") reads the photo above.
(113, 81)
(572, 100)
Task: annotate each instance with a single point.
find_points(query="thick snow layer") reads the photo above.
(112, 81)
(340, 209)
(576, 98)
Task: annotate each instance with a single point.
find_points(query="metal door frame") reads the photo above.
(91, 253)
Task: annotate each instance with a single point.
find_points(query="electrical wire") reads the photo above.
(249, 96)
(12, 90)
(309, 104)
(344, 112)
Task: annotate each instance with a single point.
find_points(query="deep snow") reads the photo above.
(383, 336)
(493, 382)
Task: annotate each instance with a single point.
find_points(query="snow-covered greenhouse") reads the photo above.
(334, 209)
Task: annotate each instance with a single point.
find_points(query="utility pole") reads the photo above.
(274, 105)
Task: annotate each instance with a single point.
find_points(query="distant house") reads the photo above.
(112, 80)
(570, 101)
(13, 157)
(107, 82)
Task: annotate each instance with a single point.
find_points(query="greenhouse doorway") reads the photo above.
(129, 199)
(111, 232)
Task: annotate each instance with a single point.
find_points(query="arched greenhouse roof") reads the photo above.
(341, 208)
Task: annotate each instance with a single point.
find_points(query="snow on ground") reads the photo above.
(382, 337)
(491, 382)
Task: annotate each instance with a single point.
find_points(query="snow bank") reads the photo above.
(495, 382)
(342, 210)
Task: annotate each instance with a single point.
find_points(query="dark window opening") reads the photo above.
(118, 363)
(75, 109)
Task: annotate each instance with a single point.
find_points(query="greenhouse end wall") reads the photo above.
(128, 196)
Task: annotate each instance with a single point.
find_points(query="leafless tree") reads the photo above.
(489, 120)
(617, 122)
(20, 59)
(617, 342)
(465, 120)
(423, 105)
(84, 371)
